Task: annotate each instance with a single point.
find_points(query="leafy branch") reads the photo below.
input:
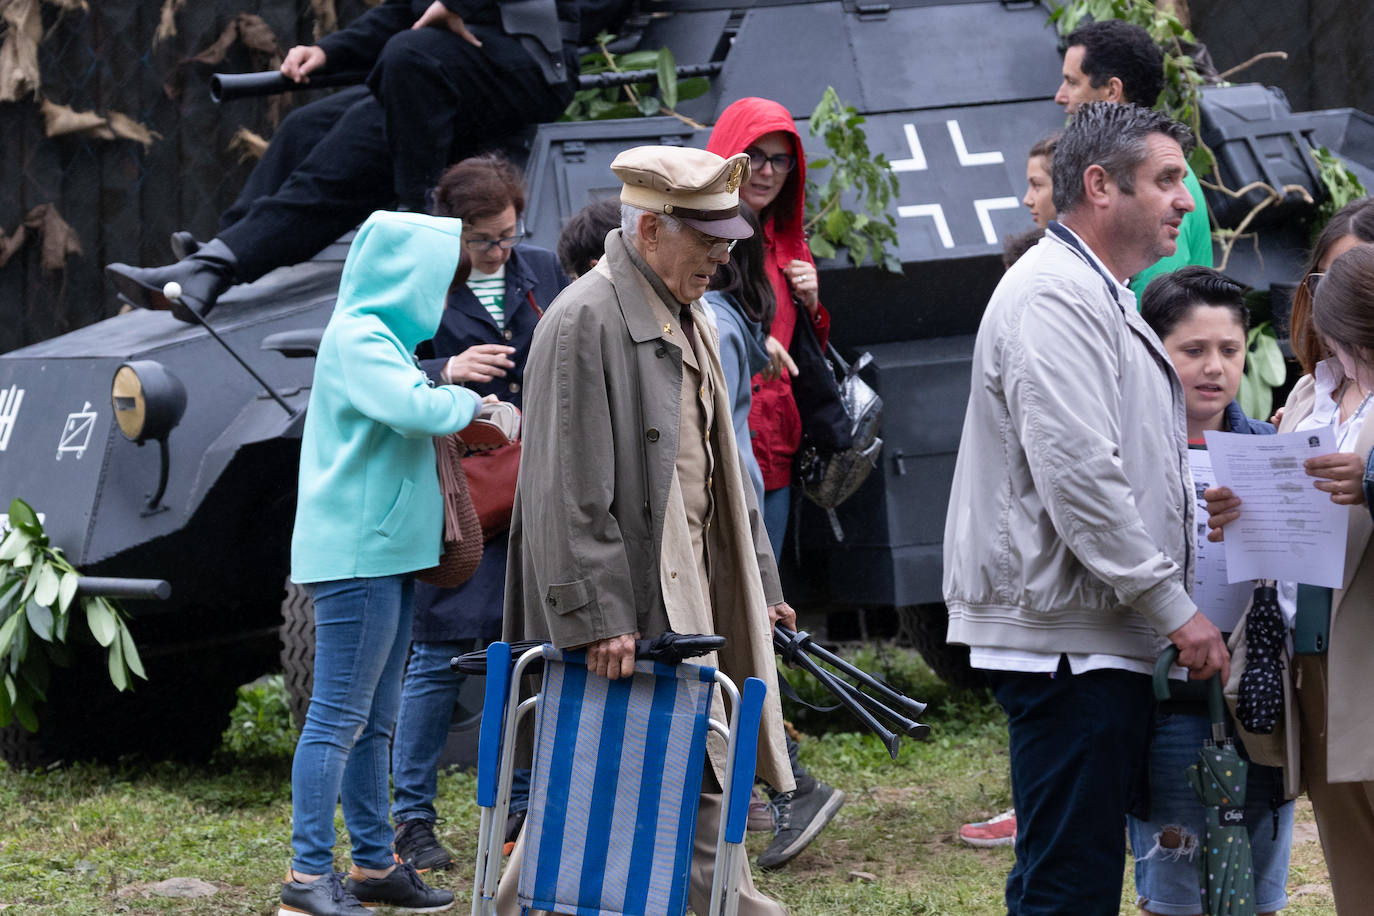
(854, 172)
(37, 597)
(637, 99)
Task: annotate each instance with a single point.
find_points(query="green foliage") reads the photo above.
(37, 601)
(637, 99)
(854, 172)
(260, 725)
(1180, 97)
(1342, 186)
(1264, 371)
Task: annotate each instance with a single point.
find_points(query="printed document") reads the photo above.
(1288, 529)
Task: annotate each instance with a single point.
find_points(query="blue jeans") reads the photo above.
(1167, 852)
(1077, 746)
(777, 506)
(427, 701)
(362, 629)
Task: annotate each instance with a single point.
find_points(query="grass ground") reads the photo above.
(86, 840)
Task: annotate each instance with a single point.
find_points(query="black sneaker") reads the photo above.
(403, 889)
(416, 845)
(799, 818)
(324, 896)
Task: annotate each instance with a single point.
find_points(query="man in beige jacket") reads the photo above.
(632, 515)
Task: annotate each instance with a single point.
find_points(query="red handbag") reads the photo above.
(491, 481)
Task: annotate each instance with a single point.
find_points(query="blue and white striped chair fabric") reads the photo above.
(617, 776)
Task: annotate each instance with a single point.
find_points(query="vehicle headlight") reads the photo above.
(148, 400)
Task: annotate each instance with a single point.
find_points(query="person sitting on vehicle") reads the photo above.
(482, 343)
(446, 81)
(369, 513)
(583, 239)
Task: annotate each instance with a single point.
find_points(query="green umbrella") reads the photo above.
(1218, 777)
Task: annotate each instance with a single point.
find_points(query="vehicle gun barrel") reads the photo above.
(226, 86)
(111, 587)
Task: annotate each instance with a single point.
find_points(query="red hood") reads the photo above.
(741, 124)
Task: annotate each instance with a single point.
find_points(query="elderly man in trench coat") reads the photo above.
(632, 515)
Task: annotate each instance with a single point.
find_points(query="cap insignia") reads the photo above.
(732, 183)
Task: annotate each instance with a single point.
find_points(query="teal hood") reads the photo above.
(399, 269)
(368, 502)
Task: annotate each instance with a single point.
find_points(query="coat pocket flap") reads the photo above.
(569, 596)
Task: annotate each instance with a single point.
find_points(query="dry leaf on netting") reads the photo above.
(247, 145)
(256, 34)
(59, 239)
(167, 23)
(19, 51)
(59, 121)
(326, 17)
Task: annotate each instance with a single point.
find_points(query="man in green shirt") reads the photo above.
(1114, 61)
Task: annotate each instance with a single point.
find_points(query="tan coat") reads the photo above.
(1350, 715)
(603, 396)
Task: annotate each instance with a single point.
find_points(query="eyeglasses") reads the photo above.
(716, 247)
(781, 162)
(505, 243)
(1311, 280)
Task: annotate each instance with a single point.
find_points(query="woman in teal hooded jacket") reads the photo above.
(368, 514)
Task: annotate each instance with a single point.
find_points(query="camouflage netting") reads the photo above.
(110, 140)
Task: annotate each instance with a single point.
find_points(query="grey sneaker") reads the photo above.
(415, 843)
(403, 889)
(324, 896)
(799, 819)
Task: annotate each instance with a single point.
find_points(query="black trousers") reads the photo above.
(1078, 753)
(431, 100)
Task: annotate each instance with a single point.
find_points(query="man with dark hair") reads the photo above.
(583, 239)
(1114, 61)
(445, 80)
(1068, 548)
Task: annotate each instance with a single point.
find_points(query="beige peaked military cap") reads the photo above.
(696, 186)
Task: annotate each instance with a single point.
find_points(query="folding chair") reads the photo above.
(616, 783)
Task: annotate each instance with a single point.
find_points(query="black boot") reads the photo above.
(184, 244)
(202, 277)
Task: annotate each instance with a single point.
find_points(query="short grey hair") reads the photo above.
(1113, 136)
(629, 221)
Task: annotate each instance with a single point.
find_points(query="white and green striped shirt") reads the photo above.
(490, 290)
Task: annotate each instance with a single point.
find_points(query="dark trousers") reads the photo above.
(434, 99)
(1078, 749)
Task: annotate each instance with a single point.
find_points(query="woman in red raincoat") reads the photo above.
(776, 189)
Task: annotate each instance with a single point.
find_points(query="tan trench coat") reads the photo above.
(602, 401)
(1350, 715)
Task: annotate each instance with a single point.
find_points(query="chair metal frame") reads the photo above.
(496, 767)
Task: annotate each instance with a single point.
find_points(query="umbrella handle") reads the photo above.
(1216, 705)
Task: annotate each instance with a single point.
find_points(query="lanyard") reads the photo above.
(1349, 424)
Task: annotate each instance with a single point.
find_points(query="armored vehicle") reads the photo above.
(954, 93)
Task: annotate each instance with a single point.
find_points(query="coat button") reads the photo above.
(660, 351)
(514, 387)
(509, 334)
(553, 602)
(652, 434)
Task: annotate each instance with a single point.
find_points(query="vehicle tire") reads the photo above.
(924, 626)
(298, 649)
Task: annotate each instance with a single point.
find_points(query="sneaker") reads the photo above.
(324, 896)
(416, 845)
(798, 819)
(997, 831)
(403, 889)
(760, 814)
